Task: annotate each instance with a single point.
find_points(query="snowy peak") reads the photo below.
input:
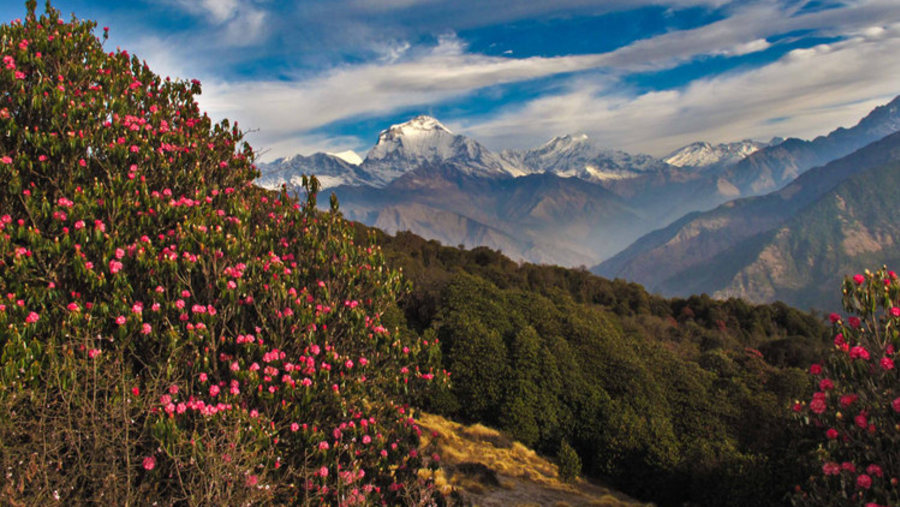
(330, 169)
(565, 143)
(703, 154)
(577, 155)
(418, 125)
(349, 156)
(424, 140)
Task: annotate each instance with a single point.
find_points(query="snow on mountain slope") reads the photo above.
(330, 170)
(703, 154)
(349, 156)
(577, 155)
(406, 146)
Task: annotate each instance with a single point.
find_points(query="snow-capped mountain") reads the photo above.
(578, 156)
(702, 154)
(407, 146)
(330, 169)
(423, 140)
(349, 156)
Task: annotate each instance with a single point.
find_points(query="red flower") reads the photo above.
(864, 481)
(859, 352)
(817, 405)
(859, 279)
(848, 399)
(149, 463)
(875, 470)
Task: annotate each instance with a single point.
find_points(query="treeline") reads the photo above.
(671, 400)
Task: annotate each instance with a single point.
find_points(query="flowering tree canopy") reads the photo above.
(854, 415)
(168, 330)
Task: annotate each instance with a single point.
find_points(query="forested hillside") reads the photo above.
(689, 395)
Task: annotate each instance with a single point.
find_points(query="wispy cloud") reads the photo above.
(236, 22)
(811, 91)
(284, 108)
(374, 61)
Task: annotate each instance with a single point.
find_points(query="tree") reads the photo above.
(852, 418)
(569, 462)
(169, 331)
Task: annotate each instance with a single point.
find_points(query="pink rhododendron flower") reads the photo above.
(817, 405)
(864, 481)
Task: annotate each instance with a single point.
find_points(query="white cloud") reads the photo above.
(746, 48)
(236, 22)
(219, 11)
(819, 82)
(285, 108)
(806, 93)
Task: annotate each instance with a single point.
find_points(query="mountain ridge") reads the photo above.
(704, 252)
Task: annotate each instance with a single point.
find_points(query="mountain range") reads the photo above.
(793, 245)
(574, 202)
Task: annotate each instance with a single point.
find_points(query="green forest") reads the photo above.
(690, 395)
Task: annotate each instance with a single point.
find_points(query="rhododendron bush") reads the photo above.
(169, 331)
(854, 415)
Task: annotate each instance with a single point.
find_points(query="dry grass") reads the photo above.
(490, 469)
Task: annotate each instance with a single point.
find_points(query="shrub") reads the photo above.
(169, 331)
(854, 416)
(569, 462)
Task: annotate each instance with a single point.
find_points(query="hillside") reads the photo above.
(680, 393)
(539, 217)
(485, 467)
(738, 249)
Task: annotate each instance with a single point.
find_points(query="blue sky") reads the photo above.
(640, 75)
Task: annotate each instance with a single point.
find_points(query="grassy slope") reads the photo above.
(487, 468)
